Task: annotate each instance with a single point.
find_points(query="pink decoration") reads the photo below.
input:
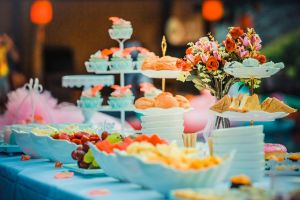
(64, 175)
(99, 192)
(145, 87)
(268, 147)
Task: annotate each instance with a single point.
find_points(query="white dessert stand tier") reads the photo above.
(168, 74)
(87, 81)
(251, 115)
(238, 70)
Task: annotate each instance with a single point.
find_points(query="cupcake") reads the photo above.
(91, 97)
(250, 62)
(142, 56)
(121, 98)
(240, 180)
(149, 90)
(99, 60)
(121, 62)
(121, 29)
(275, 152)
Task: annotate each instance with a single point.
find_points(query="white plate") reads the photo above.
(159, 118)
(254, 72)
(162, 130)
(240, 148)
(238, 131)
(238, 140)
(162, 111)
(252, 115)
(162, 124)
(170, 74)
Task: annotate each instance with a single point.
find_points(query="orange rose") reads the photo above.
(236, 32)
(229, 44)
(183, 65)
(197, 59)
(212, 64)
(261, 58)
(189, 50)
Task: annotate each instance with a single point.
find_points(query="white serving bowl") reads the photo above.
(109, 163)
(25, 143)
(162, 124)
(163, 178)
(238, 139)
(240, 148)
(61, 150)
(238, 131)
(41, 146)
(160, 118)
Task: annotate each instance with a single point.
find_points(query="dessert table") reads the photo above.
(34, 179)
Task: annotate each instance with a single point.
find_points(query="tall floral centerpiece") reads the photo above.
(205, 59)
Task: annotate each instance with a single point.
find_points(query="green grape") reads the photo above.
(114, 138)
(88, 157)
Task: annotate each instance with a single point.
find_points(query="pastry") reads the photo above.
(222, 105)
(142, 57)
(294, 157)
(235, 103)
(183, 102)
(144, 103)
(275, 152)
(166, 63)
(275, 105)
(166, 100)
(240, 180)
(249, 103)
(149, 63)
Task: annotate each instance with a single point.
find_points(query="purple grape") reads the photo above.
(74, 155)
(85, 147)
(83, 165)
(80, 154)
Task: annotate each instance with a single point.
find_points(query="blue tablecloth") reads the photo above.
(34, 180)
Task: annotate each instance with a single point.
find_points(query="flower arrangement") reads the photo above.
(204, 61)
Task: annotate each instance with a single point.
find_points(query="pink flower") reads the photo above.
(242, 53)
(256, 42)
(245, 41)
(217, 55)
(214, 46)
(204, 57)
(190, 57)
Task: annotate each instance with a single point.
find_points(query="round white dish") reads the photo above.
(162, 124)
(240, 148)
(252, 115)
(238, 139)
(238, 131)
(159, 118)
(253, 72)
(169, 74)
(162, 111)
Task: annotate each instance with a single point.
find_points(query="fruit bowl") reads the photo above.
(109, 163)
(163, 179)
(41, 146)
(61, 150)
(24, 141)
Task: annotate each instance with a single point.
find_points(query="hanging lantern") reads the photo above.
(41, 12)
(212, 10)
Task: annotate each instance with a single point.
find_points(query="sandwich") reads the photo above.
(249, 103)
(222, 105)
(275, 105)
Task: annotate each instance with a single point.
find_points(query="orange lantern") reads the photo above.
(212, 10)
(41, 12)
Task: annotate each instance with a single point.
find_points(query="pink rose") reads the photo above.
(204, 58)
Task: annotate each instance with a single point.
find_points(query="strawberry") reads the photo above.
(84, 139)
(76, 141)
